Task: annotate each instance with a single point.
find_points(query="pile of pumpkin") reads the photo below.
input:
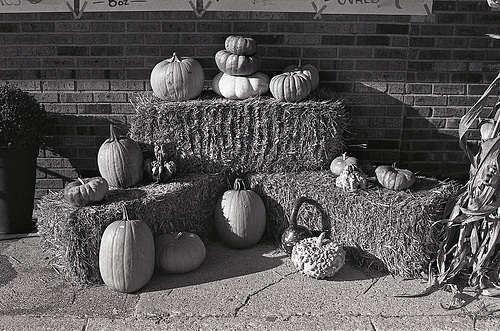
(179, 79)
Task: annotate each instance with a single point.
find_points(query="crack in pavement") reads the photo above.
(249, 296)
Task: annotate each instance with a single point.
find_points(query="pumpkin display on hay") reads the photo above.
(72, 234)
(385, 229)
(469, 240)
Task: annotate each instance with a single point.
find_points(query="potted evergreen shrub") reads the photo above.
(23, 125)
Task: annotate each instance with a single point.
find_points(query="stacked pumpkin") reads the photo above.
(239, 64)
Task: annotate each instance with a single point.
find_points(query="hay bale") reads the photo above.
(73, 234)
(387, 230)
(259, 134)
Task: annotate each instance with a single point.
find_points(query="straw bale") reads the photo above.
(260, 134)
(73, 234)
(383, 229)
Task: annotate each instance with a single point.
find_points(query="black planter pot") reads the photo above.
(17, 189)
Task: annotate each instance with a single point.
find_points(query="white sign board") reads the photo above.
(199, 7)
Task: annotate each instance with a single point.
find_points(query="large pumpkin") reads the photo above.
(394, 178)
(177, 79)
(307, 69)
(240, 45)
(126, 254)
(179, 252)
(290, 86)
(84, 191)
(240, 217)
(119, 160)
(237, 65)
(240, 87)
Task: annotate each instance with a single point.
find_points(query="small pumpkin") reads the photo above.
(179, 252)
(240, 45)
(120, 160)
(394, 178)
(339, 163)
(237, 65)
(240, 217)
(177, 79)
(318, 257)
(126, 254)
(240, 87)
(84, 191)
(290, 86)
(307, 69)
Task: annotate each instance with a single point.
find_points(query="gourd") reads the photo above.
(339, 163)
(486, 129)
(179, 252)
(120, 160)
(177, 79)
(237, 65)
(307, 69)
(240, 217)
(318, 257)
(160, 168)
(240, 87)
(351, 179)
(394, 178)
(126, 254)
(84, 191)
(295, 233)
(240, 45)
(290, 86)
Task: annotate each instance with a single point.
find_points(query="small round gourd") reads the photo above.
(240, 217)
(84, 191)
(240, 45)
(126, 254)
(339, 163)
(240, 87)
(179, 252)
(120, 160)
(237, 65)
(307, 69)
(177, 79)
(290, 86)
(394, 178)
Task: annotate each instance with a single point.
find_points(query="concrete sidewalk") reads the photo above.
(252, 289)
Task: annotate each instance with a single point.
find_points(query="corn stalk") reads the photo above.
(470, 239)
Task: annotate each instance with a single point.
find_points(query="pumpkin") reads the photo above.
(394, 178)
(290, 86)
(240, 87)
(318, 257)
(237, 65)
(119, 160)
(84, 191)
(179, 252)
(240, 217)
(177, 79)
(351, 178)
(126, 254)
(309, 70)
(240, 45)
(339, 163)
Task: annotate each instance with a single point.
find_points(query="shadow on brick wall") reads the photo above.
(424, 139)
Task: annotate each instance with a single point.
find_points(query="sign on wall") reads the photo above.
(315, 7)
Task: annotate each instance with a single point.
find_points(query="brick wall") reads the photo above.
(406, 81)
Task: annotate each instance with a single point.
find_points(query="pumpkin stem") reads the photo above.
(178, 236)
(125, 213)
(320, 239)
(174, 57)
(112, 133)
(81, 181)
(344, 156)
(239, 184)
